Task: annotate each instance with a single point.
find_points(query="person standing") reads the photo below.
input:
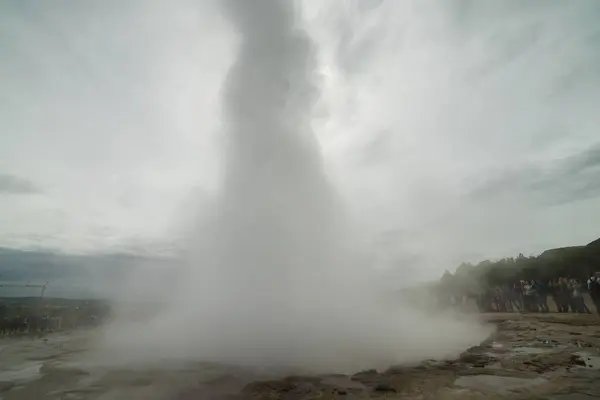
(564, 294)
(517, 296)
(594, 288)
(578, 304)
(541, 296)
(529, 297)
(554, 292)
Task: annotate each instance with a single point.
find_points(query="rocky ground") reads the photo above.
(550, 356)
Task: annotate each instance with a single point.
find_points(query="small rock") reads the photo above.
(385, 387)
(366, 372)
(577, 360)
(4, 386)
(367, 377)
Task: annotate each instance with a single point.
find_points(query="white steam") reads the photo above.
(274, 276)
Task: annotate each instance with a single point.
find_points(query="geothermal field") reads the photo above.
(527, 357)
(276, 293)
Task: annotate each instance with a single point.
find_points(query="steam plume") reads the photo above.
(273, 280)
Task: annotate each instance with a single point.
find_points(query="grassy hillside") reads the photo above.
(576, 261)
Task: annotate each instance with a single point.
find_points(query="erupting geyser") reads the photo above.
(276, 212)
(273, 281)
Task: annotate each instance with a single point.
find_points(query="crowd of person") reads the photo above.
(568, 294)
(16, 319)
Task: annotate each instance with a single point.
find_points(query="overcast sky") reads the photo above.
(453, 130)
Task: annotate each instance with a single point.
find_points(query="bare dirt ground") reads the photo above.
(535, 356)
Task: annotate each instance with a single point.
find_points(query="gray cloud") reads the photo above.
(563, 181)
(423, 102)
(12, 184)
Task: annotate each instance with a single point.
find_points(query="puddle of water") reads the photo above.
(494, 355)
(25, 373)
(572, 396)
(530, 350)
(495, 365)
(493, 383)
(591, 361)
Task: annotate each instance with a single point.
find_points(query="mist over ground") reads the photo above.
(276, 278)
(286, 151)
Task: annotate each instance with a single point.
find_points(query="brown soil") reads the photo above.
(551, 356)
(548, 356)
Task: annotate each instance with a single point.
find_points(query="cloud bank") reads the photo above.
(11, 184)
(114, 110)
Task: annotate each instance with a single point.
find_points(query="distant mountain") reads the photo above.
(595, 243)
(562, 251)
(70, 275)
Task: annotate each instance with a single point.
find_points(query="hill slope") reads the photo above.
(575, 261)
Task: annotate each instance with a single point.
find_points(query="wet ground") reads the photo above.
(551, 356)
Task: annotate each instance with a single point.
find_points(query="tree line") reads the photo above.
(578, 262)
